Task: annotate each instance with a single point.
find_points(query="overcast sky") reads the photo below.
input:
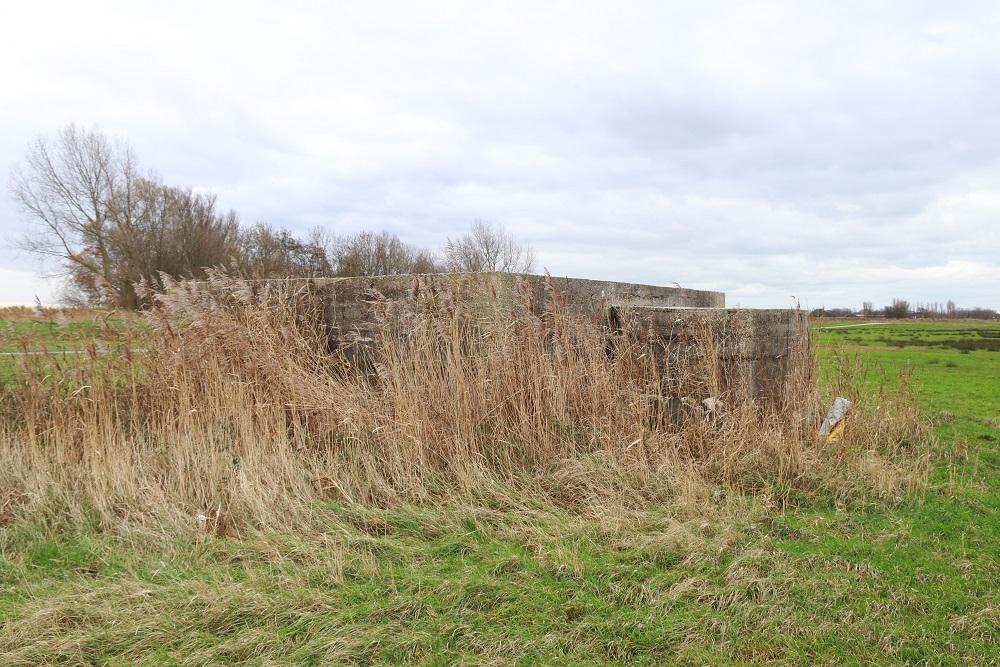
(837, 152)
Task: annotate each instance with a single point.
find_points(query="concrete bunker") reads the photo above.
(756, 354)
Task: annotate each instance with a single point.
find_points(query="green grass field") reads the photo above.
(56, 328)
(58, 337)
(957, 365)
(775, 579)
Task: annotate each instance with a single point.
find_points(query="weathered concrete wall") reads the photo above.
(753, 352)
(757, 354)
(347, 308)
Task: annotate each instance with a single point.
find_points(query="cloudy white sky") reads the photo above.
(839, 152)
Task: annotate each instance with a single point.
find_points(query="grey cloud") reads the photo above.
(824, 150)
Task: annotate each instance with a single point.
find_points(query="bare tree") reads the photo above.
(370, 254)
(174, 231)
(109, 226)
(490, 247)
(899, 309)
(66, 188)
(266, 252)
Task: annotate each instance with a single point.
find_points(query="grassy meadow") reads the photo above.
(202, 488)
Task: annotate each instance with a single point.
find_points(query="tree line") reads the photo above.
(901, 309)
(113, 227)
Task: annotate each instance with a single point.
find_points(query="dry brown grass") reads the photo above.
(227, 404)
(39, 313)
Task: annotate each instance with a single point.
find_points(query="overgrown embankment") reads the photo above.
(225, 403)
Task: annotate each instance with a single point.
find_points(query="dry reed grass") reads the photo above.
(227, 403)
(39, 313)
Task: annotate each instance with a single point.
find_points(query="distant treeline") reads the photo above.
(901, 309)
(116, 231)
